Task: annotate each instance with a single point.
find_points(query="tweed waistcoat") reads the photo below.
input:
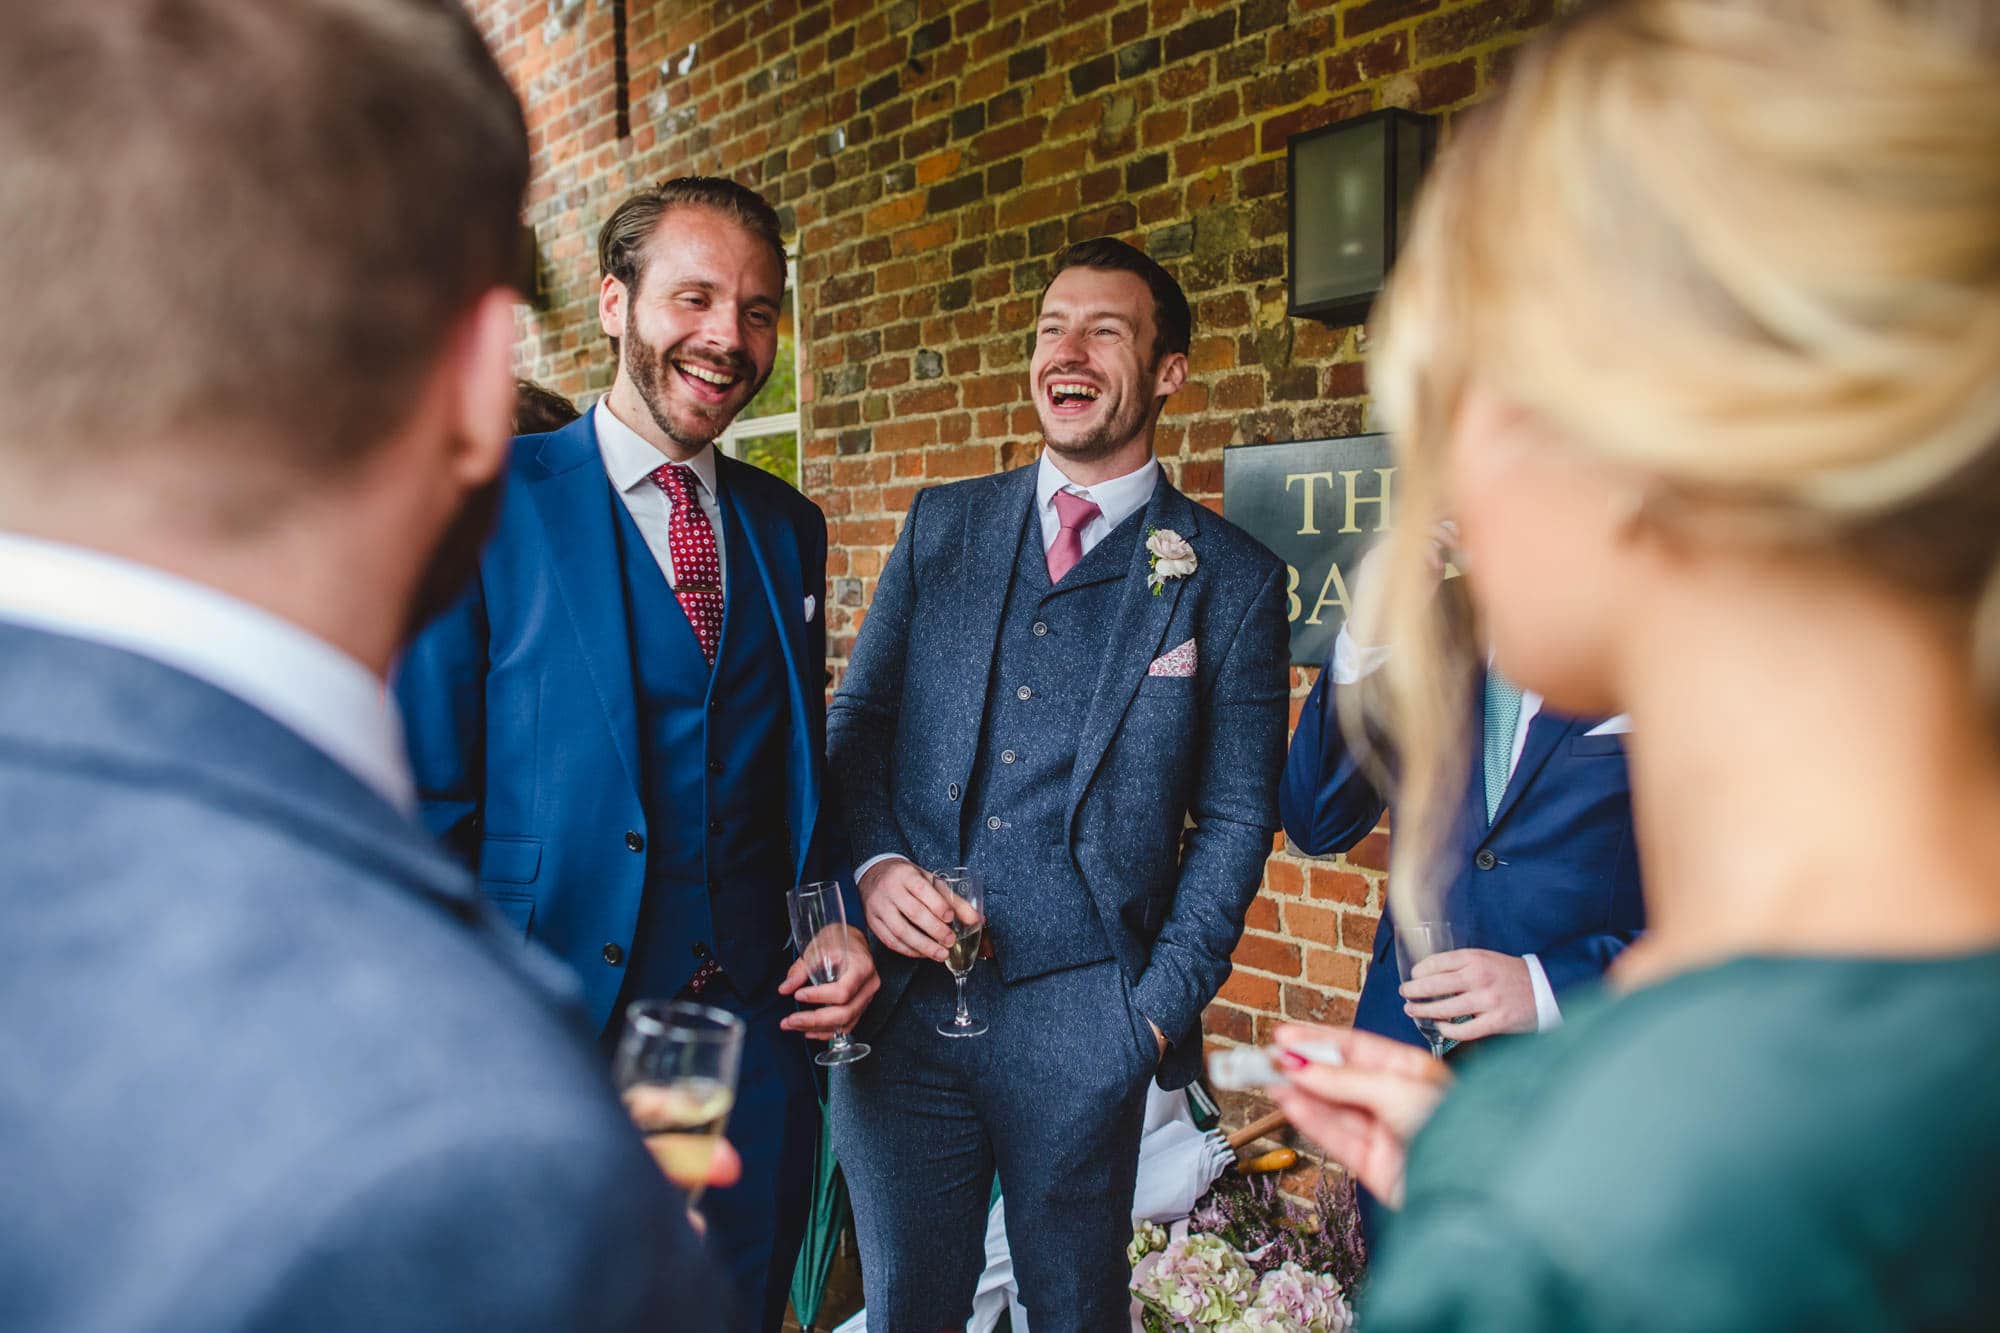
(712, 753)
(1052, 642)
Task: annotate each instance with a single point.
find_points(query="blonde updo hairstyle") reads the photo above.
(1749, 249)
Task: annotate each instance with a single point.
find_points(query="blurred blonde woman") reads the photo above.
(1698, 340)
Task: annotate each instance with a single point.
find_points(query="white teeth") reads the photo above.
(704, 373)
(1074, 390)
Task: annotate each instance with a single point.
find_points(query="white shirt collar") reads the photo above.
(1118, 499)
(305, 683)
(629, 458)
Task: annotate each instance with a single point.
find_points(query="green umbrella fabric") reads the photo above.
(823, 1227)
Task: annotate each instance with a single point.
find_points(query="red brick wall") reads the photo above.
(928, 157)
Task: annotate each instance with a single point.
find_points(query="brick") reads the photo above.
(954, 194)
(1309, 1004)
(1326, 884)
(880, 91)
(1138, 58)
(1263, 913)
(1373, 14)
(1192, 39)
(1145, 173)
(1316, 925)
(1443, 85)
(1266, 953)
(1026, 64)
(968, 121)
(1276, 130)
(931, 36)
(1284, 877)
(1357, 931)
(1091, 75)
(1108, 221)
(1250, 990)
(1003, 176)
(1461, 29)
(1385, 55)
(1372, 852)
(1335, 971)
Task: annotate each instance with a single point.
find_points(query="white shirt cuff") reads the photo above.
(1351, 661)
(862, 870)
(1548, 1017)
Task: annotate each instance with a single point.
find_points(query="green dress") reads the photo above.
(1773, 1143)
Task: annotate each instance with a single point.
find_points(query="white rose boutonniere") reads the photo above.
(1170, 557)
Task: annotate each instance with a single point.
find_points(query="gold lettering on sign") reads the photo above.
(1291, 592)
(1355, 500)
(1308, 528)
(1337, 586)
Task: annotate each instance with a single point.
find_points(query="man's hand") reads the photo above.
(642, 1103)
(1473, 992)
(839, 1003)
(1365, 1112)
(1158, 1036)
(1371, 576)
(906, 910)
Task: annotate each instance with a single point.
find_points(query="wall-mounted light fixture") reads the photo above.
(1351, 185)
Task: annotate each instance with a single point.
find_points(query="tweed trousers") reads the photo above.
(1052, 1097)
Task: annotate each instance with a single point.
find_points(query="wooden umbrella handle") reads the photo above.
(1255, 1130)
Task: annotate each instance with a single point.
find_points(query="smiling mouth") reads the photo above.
(707, 382)
(1071, 395)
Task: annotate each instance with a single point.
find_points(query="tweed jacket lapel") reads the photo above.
(1137, 635)
(574, 499)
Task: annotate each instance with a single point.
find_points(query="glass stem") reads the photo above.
(964, 1018)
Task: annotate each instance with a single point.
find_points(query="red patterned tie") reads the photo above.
(697, 566)
(1074, 513)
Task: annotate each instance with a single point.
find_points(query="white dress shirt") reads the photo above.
(1116, 500)
(630, 461)
(1351, 662)
(304, 683)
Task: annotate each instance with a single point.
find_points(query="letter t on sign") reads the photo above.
(1308, 528)
(1355, 501)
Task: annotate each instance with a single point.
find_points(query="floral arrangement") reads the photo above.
(1252, 1262)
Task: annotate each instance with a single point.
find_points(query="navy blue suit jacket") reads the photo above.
(1170, 806)
(268, 1062)
(523, 718)
(1556, 873)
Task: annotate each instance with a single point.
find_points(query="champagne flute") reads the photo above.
(1416, 941)
(676, 1069)
(820, 934)
(967, 899)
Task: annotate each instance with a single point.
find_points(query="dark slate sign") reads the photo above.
(1320, 504)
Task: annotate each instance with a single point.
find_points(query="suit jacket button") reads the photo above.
(633, 842)
(951, 792)
(1486, 860)
(715, 826)
(715, 765)
(715, 705)
(993, 822)
(1041, 628)
(613, 954)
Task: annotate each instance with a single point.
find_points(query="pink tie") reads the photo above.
(1074, 513)
(697, 564)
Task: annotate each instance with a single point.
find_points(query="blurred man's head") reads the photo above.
(693, 274)
(538, 410)
(245, 244)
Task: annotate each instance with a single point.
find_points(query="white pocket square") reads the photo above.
(1617, 726)
(1179, 662)
(812, 605)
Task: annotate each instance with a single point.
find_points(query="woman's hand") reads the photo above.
(1363, 1113)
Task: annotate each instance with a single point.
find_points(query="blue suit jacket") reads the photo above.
(523, 718)
(267, 1062)
(1153, 754)
(1556, 874)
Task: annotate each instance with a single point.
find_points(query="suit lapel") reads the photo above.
(1136, 638)
(774, 550)
(572, 500)
(1545, 732)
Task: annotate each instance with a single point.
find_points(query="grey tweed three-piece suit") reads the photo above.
(1107, 757)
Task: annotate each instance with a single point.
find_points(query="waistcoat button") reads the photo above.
(613, 954)
(1024, 693)
(951, 792)
(1040, 629)
(993, 821)
(633, 842)
(1008, 756)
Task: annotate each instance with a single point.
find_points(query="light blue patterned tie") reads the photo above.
(1503, 716)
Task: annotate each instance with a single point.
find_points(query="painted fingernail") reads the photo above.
(1292, 1060)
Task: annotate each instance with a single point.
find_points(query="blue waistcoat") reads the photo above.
(1053, 639)
(712, 747)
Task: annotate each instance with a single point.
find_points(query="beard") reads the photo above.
(454, 563)
(649, 367)
(1125, 419)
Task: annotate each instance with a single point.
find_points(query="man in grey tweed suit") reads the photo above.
(1073, 680)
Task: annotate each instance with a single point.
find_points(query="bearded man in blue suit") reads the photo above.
(1072, 679)
(622, 727)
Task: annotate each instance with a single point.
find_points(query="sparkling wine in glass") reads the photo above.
(1416, 941)
(820, 934)
(967, 898)
(676, 1069)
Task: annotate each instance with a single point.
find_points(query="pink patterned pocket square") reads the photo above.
(1179, 662)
